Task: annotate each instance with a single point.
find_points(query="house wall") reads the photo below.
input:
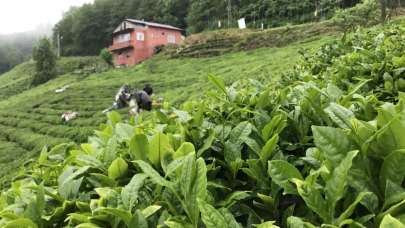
(144, 49)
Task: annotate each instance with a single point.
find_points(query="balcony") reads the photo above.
(121, 45)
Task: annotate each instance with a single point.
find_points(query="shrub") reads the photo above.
(106, 55)
(363, 14)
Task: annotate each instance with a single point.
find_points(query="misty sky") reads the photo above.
(25, 15)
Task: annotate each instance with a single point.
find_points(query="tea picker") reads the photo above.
(136, 100)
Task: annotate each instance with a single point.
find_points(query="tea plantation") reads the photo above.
(30, 117)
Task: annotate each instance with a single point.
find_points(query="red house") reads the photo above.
(135, 40)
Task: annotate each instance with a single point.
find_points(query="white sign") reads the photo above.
(242, 23)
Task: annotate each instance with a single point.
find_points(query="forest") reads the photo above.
(86, 30)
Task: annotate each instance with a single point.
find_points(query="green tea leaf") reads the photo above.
(269, 224)
(340, 115)
(207, 143)
(114, 118)
(149, 211)
(276, 126)
(122, 214)
(332, 142)
(393, 168)
(124, 132)
(336, 184)
(118, 169)
(240, 132)
(211, 217)
(218, 82)
(139, 147)
(282, 173)
(295, 222)
(313, 199)
(185, 149)
(159, 146)
(229, 218)
(153, 174)
(130, 192)
(390, 222)
(268, 149)
(138, 220)
(20, 223)
(233, 198)
(349, 211)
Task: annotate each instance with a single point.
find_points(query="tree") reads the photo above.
(45, 62)
(106, 55)
(383, 5)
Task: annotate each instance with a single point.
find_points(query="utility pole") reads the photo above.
(229, 13)
(58, 41)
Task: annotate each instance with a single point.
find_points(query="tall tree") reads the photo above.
(45, 62)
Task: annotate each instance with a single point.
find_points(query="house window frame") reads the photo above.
(140, 36)
(121, 38)
(171, 39)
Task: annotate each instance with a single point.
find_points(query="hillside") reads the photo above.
(320, 144)
(30, 118)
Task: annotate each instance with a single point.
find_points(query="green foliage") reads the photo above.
(363, 14)
(106, 55)
(45, 62)
(323, 150)
(87, 30)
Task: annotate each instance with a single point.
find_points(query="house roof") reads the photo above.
(152, 24)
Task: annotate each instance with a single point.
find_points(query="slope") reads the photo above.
(30, 118)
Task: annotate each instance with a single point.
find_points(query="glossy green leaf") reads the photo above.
(332, 142)
(139, 147)
(240, 132)
(295, 222)
(218, 82)
(233, 198)
(153, 174)
(130, 192)
(159, 147)
(336, 183)
(269, 148)
(275, 126)
(138, 220)
(122, 214)
(207, 143)
(118, 169)
(314, 200)
(393, 168)
(269, 224)
(20, 223)
(211, 217)
(340, 115)
(282, 173)
(229, 218)
(185, 149)
(390, 222)
(349, 211)
(149, 211)
(124, 132)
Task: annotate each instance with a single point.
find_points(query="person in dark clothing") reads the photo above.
(138, 101)
(148, 89)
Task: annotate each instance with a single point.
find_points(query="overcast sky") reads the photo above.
(25, 15)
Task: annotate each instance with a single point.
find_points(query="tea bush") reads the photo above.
(324, 147)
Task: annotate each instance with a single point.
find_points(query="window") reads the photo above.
(140, 36)
(171, 39)
(122, 38)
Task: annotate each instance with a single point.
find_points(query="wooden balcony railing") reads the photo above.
(122, 45)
